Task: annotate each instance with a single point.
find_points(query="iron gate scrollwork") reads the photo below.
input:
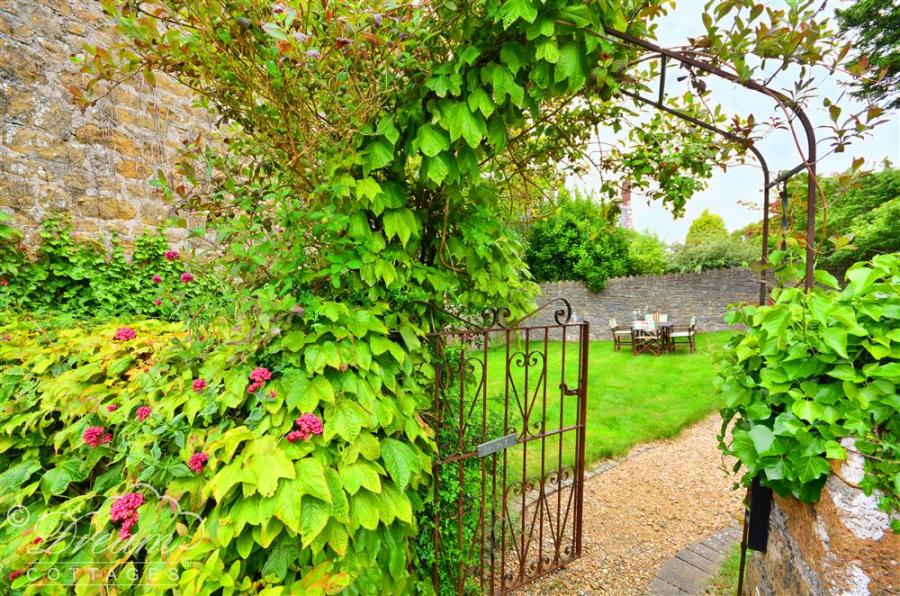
(509, 412)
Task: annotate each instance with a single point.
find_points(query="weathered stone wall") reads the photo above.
(94, 164)
(841, 545)
(682, 295)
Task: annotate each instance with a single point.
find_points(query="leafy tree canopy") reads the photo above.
(578, 241)
(707, 227)
(873, 26)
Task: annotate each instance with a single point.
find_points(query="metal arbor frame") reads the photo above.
(756, 518)
(809, 164)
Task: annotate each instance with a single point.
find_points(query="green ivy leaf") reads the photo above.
(379, 153)
(513, 10)
(571, 66)
(313, 517)
(399, 460)
(311, 476)
(400, 223)
(432, 140)
(762, 438)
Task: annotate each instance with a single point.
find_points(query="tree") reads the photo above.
(707, 227)
(860, 220)
(578, 241)
(647, 254)
(874, 28)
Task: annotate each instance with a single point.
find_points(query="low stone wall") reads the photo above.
(705, 296)
(841, 545)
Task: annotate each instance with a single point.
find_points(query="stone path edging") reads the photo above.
(691, 568)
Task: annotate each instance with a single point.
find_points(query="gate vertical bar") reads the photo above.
(582, 426)
(436, 468)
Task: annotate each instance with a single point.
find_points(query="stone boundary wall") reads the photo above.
(92, 165)
(841, 545)
(704, 295)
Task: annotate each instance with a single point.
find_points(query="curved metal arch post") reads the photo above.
(763, 293)
(809, 164)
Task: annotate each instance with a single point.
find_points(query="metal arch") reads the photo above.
(749, 146)
(809, 164)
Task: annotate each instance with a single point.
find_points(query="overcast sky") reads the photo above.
(744, 182)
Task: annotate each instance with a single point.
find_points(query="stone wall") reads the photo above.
(681, 295)
(841, 545)
(94, 164)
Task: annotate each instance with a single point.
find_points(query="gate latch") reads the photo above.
(496, 445)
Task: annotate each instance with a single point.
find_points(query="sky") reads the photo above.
(743, 183)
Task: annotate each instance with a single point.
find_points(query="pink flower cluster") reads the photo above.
(143, 413)
(259, 376)
(186, 277)
(112, 407)
(197, 461)
(171, 255)
(124, 510)
(95, 436)
(307, 426)
(124, 334)
(157, 279)
(4, 282)
(198, 385)
(15, 574)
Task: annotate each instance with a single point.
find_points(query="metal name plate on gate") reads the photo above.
(497, 445)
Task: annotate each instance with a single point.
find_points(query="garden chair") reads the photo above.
(646, 337)
(684, 335)
(621, 335)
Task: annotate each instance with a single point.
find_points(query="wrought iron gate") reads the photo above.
(509, 411)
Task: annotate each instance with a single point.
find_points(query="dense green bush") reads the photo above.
(578, 241)
(95, 412)
(811, 369)
(716, 254)
(83, 278)
(647, 254)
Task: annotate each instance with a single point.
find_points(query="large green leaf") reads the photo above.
(399, 460)
(311, 477)
(432, 140)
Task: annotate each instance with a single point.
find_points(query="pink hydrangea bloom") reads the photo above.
(198, 385)
(260, 374)
(171, 255)
(157, 279)
(197, 461)
(124, 334)
(254, 387)
(95, 436)
(186, 277)
(124, 510)
(143, 413)
(297, 435)
(310, 424)
(112, 407)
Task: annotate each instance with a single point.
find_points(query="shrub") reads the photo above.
(577, 242)
(646, 253)
(83, 278)
(227, 497)
(811, 369)
(718, 254)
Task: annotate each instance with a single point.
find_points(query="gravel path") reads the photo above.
(638, 514)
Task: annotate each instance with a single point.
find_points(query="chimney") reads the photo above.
(625, 220)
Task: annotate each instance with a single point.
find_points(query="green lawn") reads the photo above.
(630, 399)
